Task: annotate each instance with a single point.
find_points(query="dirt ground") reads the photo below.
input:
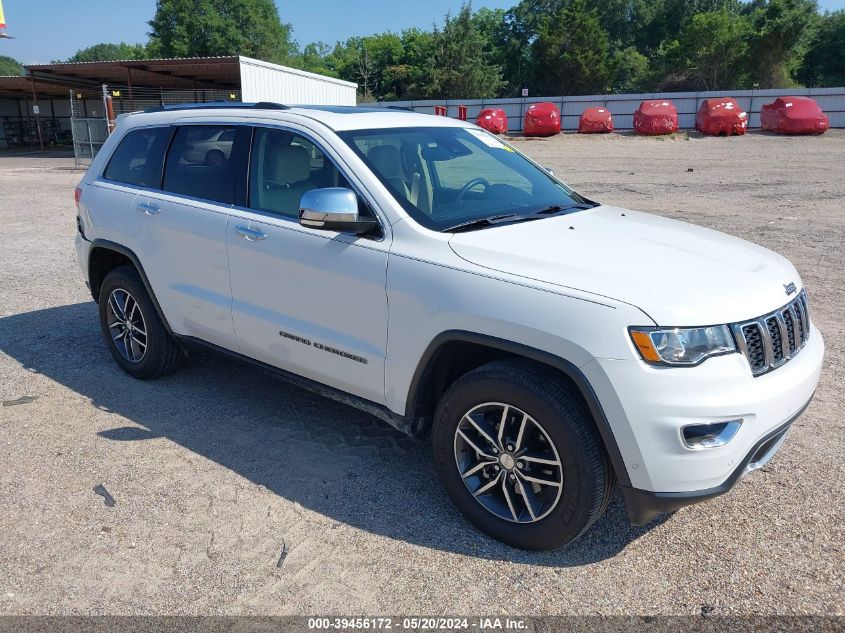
(215, 471)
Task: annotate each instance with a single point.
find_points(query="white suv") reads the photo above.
(429, 273)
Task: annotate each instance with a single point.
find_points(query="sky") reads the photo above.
(48, 30)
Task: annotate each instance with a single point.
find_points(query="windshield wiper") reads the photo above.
(517, 217)
(557, 208)
(488, 221)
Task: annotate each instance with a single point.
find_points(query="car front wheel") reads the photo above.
(520, 456)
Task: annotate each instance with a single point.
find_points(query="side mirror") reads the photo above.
(549, 169)
(334, 209)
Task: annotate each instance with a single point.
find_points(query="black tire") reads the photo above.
(215, 158)
(162, 355)
(588, 478)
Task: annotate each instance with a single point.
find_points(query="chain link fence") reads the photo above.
(88, 123)
(94, 112)
(132, 98)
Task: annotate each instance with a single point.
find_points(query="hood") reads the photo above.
(677, 273)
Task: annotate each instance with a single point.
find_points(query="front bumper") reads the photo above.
(647, 408)
(644, 505)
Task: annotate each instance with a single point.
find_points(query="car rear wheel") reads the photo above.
(132, 329)
(215, 158)
(520, 456)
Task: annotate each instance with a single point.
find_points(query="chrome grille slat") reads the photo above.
(790, 330)
(776, 338)
(799, 326)
(805, 322)
(786, 351)
(771, 340)
(768, 347)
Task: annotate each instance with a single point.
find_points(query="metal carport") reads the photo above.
(93, 91)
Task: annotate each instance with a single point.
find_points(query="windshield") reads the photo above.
(448, 176)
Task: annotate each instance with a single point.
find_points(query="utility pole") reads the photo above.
(37, 112)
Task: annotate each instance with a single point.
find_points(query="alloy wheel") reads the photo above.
(508, 462)
(126, 325)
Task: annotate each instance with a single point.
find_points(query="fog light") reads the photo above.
(710, 435)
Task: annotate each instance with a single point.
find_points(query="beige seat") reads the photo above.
(385, 160)
(422, 193)
(289, 178)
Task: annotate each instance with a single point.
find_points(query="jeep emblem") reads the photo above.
(790, 288)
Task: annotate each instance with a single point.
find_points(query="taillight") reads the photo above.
(77, 194)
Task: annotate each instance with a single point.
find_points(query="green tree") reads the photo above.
(714, 49)
(657, 23)
(631, 71)
(782, 31)
(572, 53)
(824, 63)
(384, 52)
(342, 59)
(110, 52)
(10, 66)
(375, 62)
(316, 58)
(462, 66)
(418, 60)
(519, 32)
(583, 46)
(205, 28)
(490, 23)
(624, 20)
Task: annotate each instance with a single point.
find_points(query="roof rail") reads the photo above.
(213, 105)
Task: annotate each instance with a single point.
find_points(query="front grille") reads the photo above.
(772, 339)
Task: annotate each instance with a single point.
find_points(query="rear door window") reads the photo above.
(138, 158)
(201, 163)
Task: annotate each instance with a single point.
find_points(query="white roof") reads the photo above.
(294, 71)
(341, 118)
(338, 118)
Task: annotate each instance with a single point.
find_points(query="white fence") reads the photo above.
(831, 100)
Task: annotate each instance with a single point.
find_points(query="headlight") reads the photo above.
(682, 346)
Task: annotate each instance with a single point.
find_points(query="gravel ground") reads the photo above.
(214, 472)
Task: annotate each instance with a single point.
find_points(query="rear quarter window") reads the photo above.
(138, 158)
(201, 163)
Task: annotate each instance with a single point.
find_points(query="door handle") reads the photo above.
(250, 235)
(149, 208)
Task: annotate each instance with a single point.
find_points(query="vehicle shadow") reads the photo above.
(297, 444)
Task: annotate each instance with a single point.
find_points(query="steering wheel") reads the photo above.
(472, 183)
